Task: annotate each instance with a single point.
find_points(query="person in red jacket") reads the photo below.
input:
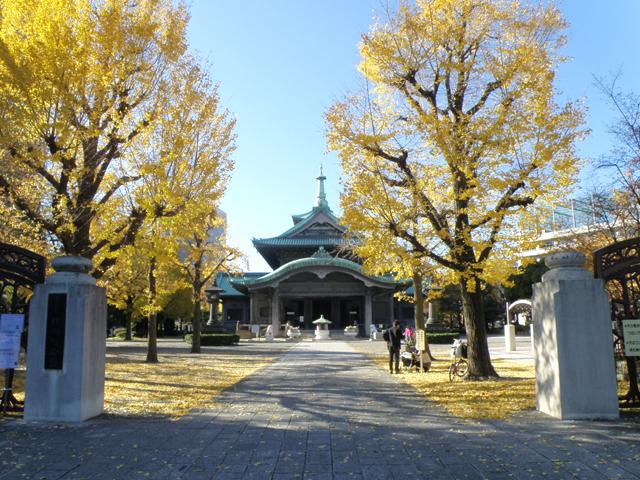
(394, 337)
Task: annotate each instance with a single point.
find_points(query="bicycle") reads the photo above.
(459, 367)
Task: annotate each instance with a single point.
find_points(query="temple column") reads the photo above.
(391, 313)
(335, 313)
(275, 313)
(252, 308)
(368, 313)
(308, 313)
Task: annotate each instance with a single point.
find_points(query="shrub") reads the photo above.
(214, 339)
(441, 338)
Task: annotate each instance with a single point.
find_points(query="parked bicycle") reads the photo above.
(459, 366)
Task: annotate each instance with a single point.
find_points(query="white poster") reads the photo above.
(421, 343)
(11, 322)
(631, 332)
(10, 329)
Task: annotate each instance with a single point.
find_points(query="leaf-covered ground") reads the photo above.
(179, 383)
(493, 399)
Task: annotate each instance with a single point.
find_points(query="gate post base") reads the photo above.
(67, 345)
(575, 374)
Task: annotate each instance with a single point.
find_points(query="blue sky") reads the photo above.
(282, 63)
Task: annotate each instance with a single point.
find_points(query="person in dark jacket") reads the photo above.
(393, 337)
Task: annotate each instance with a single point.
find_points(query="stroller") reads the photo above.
(411, 359)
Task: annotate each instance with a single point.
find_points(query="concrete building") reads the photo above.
(314, 273)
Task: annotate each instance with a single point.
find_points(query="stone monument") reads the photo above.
(67, 343)
(575, 372)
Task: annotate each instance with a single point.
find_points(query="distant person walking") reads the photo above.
(394, 337)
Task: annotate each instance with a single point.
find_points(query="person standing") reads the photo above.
(394, 337)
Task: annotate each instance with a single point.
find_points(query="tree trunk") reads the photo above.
(633, 395)
(418, 301)
(197, 316)
(478, 349)
(129, 318)
(196, 290)
(152, 348)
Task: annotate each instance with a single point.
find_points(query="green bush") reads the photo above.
(441, 338)
(214, 339)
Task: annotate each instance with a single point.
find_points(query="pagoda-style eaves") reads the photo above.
(316, 228)
(321, 263)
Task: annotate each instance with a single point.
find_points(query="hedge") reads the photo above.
(214, 339)
(442, 337)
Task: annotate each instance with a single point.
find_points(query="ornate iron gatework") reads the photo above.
(20, 270)
(619, 266)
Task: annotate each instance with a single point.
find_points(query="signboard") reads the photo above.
(421, 341)
(255, 328)
(11, 325)
(631, 332)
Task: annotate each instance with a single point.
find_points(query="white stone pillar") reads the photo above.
(67, 343)
(510, 337)
(575, 371)
(275, 313)
(531, 337)
(368, 313)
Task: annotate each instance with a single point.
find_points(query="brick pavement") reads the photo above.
(322, 411)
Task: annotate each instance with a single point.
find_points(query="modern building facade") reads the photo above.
(314, 273)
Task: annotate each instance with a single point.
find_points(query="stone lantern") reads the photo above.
(213, 296)
(322, 328)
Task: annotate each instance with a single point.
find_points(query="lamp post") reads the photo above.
(213, 296)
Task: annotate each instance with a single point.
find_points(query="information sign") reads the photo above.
(255, 328)
(421, 343)
(11, 325)
(631, 332)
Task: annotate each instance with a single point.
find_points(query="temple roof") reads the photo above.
(319, 227)
(224, 281)
(319, 259)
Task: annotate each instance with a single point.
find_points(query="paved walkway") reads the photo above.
(321, 412)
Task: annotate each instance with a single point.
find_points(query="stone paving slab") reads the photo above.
(323, 412)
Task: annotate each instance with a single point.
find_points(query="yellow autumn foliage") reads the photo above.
(455, 135)
(180, 383)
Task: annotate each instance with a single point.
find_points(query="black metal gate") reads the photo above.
(20, 270)
(619, 266)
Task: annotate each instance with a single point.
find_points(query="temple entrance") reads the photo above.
(341, 311)
(323, 307)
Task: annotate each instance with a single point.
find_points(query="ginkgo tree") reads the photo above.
(457, 129)
(185, 164)
(80, 83)
(203, 253)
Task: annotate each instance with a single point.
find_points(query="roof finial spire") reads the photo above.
(321, 198)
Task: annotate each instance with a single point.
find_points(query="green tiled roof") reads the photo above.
(298, 242)
(224, 281)
(319, 259)
(308, 218)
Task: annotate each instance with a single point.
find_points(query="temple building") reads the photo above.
(314, 273)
